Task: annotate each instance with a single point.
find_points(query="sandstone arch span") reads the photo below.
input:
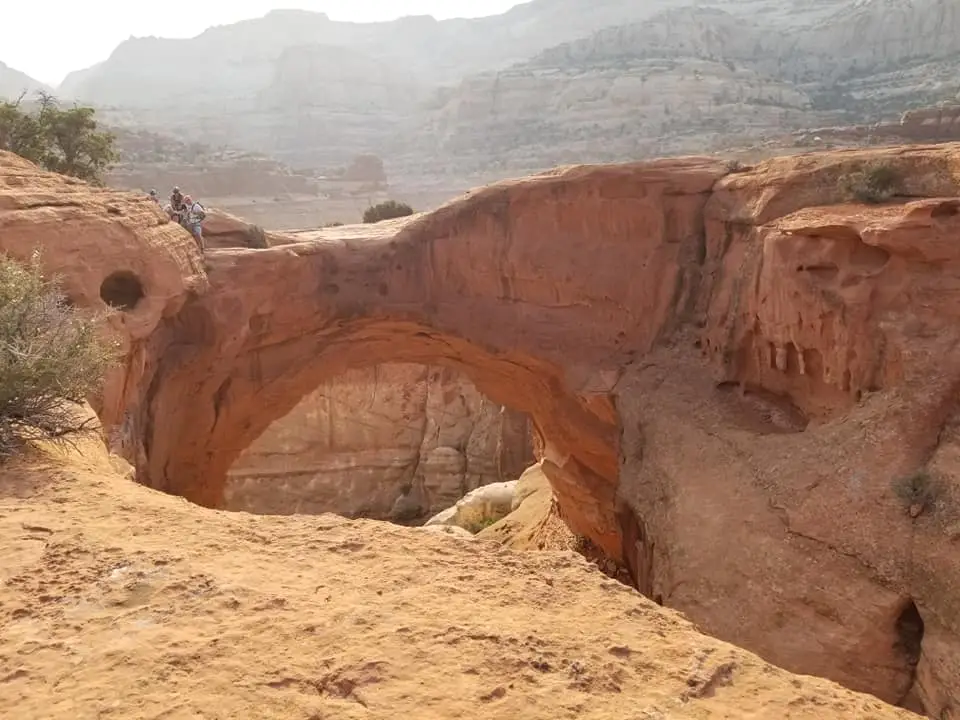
(470, 286)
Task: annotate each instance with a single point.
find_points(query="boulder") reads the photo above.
(223, 230)
(480, 508)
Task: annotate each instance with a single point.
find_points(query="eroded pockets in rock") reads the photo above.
(755, 409)
(122, 290)
(909, 625)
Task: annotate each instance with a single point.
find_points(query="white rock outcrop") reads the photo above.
(479, 509)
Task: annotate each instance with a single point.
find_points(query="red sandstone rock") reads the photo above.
(932, 121)
(735, 378)
(107, 246)
(223, 230)
(105, 583)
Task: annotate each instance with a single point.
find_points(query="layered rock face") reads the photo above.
(547, 83)
(742, 384)
(886, 34)
(692, 78)
(242, 58)
(392, 442)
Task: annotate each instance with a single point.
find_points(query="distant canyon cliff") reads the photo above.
(550, 82)
(393, 442)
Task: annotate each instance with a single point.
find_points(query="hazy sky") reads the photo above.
(46, 39)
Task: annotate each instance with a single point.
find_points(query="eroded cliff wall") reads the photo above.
(392, 442)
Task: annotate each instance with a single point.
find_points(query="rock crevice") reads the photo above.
(392, 442)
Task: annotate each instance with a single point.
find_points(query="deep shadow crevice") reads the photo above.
(637, 551)
(909, 629)
(122, 290)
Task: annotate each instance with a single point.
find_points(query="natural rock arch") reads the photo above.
(466, 286)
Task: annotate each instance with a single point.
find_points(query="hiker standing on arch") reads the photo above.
(176, 202)
(193, 217)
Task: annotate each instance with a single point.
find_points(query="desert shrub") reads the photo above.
(63, 141)
(386, 210)
(874, 182)
(50, 351)
(335, 223)
(918, 488)
(736, 166)
(257, 238)
(480, 525)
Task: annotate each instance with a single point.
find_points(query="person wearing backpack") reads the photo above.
(194, 215)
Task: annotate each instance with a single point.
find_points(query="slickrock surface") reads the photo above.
(118, 601)
(223, 230)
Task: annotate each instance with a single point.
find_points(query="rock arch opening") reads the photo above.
(397, 442)
(264, 383)
(122, 290)
(464, 287)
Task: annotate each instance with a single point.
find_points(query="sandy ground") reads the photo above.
(120, 602)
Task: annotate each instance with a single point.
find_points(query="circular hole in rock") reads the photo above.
(122, 290)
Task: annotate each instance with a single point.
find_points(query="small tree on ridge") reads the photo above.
(63, 141)
(386, 211)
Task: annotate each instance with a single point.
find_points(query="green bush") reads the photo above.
(918, 488)
(875, 182)
(63, 141)
(386, 211)
(50, 352)
(481, 525)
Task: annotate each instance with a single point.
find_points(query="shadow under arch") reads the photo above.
(579, 446)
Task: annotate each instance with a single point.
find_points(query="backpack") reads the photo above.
(198, 212)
